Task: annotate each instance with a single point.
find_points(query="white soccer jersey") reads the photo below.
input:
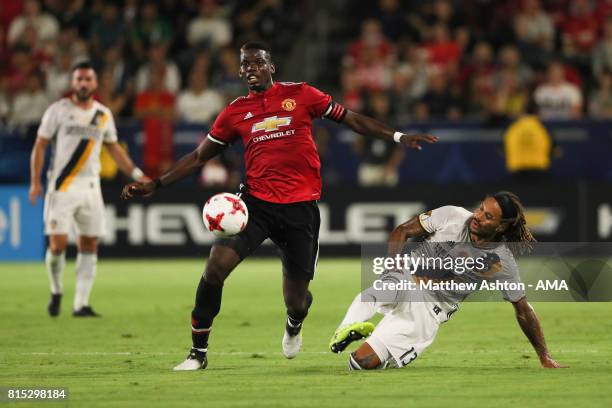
(77, 135)
(450, 224)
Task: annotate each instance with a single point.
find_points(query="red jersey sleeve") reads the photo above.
(321, 104)
(222, 130)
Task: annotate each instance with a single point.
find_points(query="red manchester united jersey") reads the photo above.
(282, 162)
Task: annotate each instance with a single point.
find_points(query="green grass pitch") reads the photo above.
(480, 357)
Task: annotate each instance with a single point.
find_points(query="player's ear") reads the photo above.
(272, 68)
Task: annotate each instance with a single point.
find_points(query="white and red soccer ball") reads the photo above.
(225, 214)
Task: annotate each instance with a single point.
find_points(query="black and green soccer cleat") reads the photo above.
(348, 334)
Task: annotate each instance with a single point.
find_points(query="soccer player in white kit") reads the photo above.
(76, 126)
(411, 320)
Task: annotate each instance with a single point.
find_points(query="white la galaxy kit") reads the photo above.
(411, 321)
(73, 191)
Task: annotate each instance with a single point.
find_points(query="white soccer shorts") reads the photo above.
(83, 208)
(405, 332)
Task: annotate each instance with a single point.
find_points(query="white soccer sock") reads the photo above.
(55, 269)
(86, 263)
(362, 309)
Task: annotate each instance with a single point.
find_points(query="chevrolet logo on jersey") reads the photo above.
(271, 123)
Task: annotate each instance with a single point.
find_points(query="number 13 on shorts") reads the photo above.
(408, 357)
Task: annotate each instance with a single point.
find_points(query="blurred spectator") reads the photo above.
(392, 19)
(39, 51)
(380, 159)
(602, 54)
(352, 97)
(108, 30)
(29, 105)
(557, 98)
(371, 57)
(148, 29)
(209, 28)
(534, 31)
(600, 105)
(69, 40)
(155, 106)
(46, 26)
(199, 104)
(225, 77)
(445, 13)
(510, 63)
(477, 79)
(371, 72)
(439, 101)
(21, 65)
(580, 29)
(528, 147)
(76, 13)
(114, 63)
(372, 43)
(413, 65)
(158, 61)
(109, 95)
(443, 52)
(58, 75)
(130, 11)
(510, 97)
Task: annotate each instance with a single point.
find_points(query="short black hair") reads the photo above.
(83, 65)
(256, 45)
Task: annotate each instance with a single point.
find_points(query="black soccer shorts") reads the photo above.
(293, 227)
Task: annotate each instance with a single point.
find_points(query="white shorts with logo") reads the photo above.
(83, 208)
(406, 331)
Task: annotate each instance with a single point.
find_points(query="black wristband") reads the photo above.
(158, 183)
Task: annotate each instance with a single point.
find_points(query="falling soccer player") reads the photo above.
(496, 230)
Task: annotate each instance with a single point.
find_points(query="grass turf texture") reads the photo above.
(480, 357)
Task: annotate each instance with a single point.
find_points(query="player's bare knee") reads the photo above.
(88, 244)
(58, 244)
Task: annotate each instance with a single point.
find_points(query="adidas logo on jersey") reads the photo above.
(248, 116)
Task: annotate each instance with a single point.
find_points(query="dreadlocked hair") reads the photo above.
(517, 235)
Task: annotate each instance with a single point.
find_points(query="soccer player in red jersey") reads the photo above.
(283, 184)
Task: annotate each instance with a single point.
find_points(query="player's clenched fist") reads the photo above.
(142, 189)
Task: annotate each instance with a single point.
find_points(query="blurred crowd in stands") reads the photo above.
(173, 59)
(170, 61)
(482, 58)
(431, 58)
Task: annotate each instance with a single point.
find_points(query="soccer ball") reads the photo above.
(225, 214)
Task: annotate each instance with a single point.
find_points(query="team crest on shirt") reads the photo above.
(288, 104)
(99, 119)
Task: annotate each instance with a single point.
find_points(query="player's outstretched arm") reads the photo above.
(367, 126)
(187, 165)
(528, 320)
(37, 160)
